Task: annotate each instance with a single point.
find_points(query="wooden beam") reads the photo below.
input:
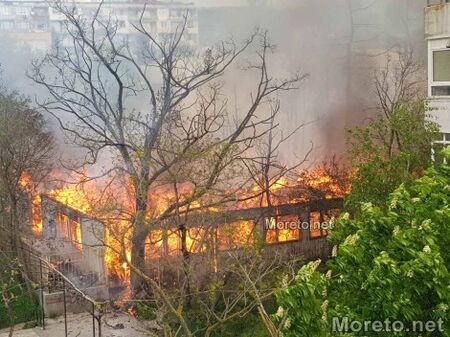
(254, 214)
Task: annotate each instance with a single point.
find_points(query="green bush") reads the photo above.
(24, 307)
(392, 263)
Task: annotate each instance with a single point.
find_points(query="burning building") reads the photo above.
(69, 236)
(72, 243)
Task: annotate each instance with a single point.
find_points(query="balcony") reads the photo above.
(437, 19)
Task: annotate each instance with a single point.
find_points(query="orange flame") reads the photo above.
(84, 197)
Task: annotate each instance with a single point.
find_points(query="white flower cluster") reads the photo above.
(427, 249)
(324, 308)
(287, 323)
(351, 240)
(393, 203)
(396, 230)
(442, 307)
(280, 312)
(334, 251)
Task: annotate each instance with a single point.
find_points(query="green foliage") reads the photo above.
(389, 151)
(248, 326)
(24, 308)
(393, 262)
(309, 292)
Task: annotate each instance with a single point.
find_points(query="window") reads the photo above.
(5, 10)
(197, 240)
(441, 66)
(62, 226)
(316, 225)
(161, 243)
(441, 73)
(6, 25)
(75, 231)
(40, 11)
(69, 229)
(22, 25)
(283, 229)
(442, 90)
(235, 235)
(22, 10)
(438, 146)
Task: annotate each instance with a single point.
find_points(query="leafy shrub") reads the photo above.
(392, 263)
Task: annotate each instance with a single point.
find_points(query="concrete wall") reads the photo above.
(437, 21)
(92, 232)
(53, 303)
(441, 112)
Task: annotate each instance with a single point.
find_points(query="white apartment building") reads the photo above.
(437, 34)
(35, 23)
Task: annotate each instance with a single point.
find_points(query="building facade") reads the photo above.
(40, 26)
(437, 34)
(72, 243)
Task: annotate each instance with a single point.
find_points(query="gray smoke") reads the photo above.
(339, 43)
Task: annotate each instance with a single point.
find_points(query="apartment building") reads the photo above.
(437, 34)
(40, 26)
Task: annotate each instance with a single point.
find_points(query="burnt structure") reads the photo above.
(71, 243)
(292, 230)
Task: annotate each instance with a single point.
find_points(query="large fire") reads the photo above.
(113, 206)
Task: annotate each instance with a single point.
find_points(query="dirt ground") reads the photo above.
(80, 325)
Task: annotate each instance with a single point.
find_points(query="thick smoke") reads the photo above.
(339, 43)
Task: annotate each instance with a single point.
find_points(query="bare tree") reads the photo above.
(158, 107)
(246, 283)
(265, 168)
(402, 80)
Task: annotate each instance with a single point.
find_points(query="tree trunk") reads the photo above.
(140, 233)
(138, 285)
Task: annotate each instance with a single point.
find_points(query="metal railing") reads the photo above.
(46, 276)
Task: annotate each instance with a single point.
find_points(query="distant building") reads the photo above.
(36, 24)
(437, 33)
